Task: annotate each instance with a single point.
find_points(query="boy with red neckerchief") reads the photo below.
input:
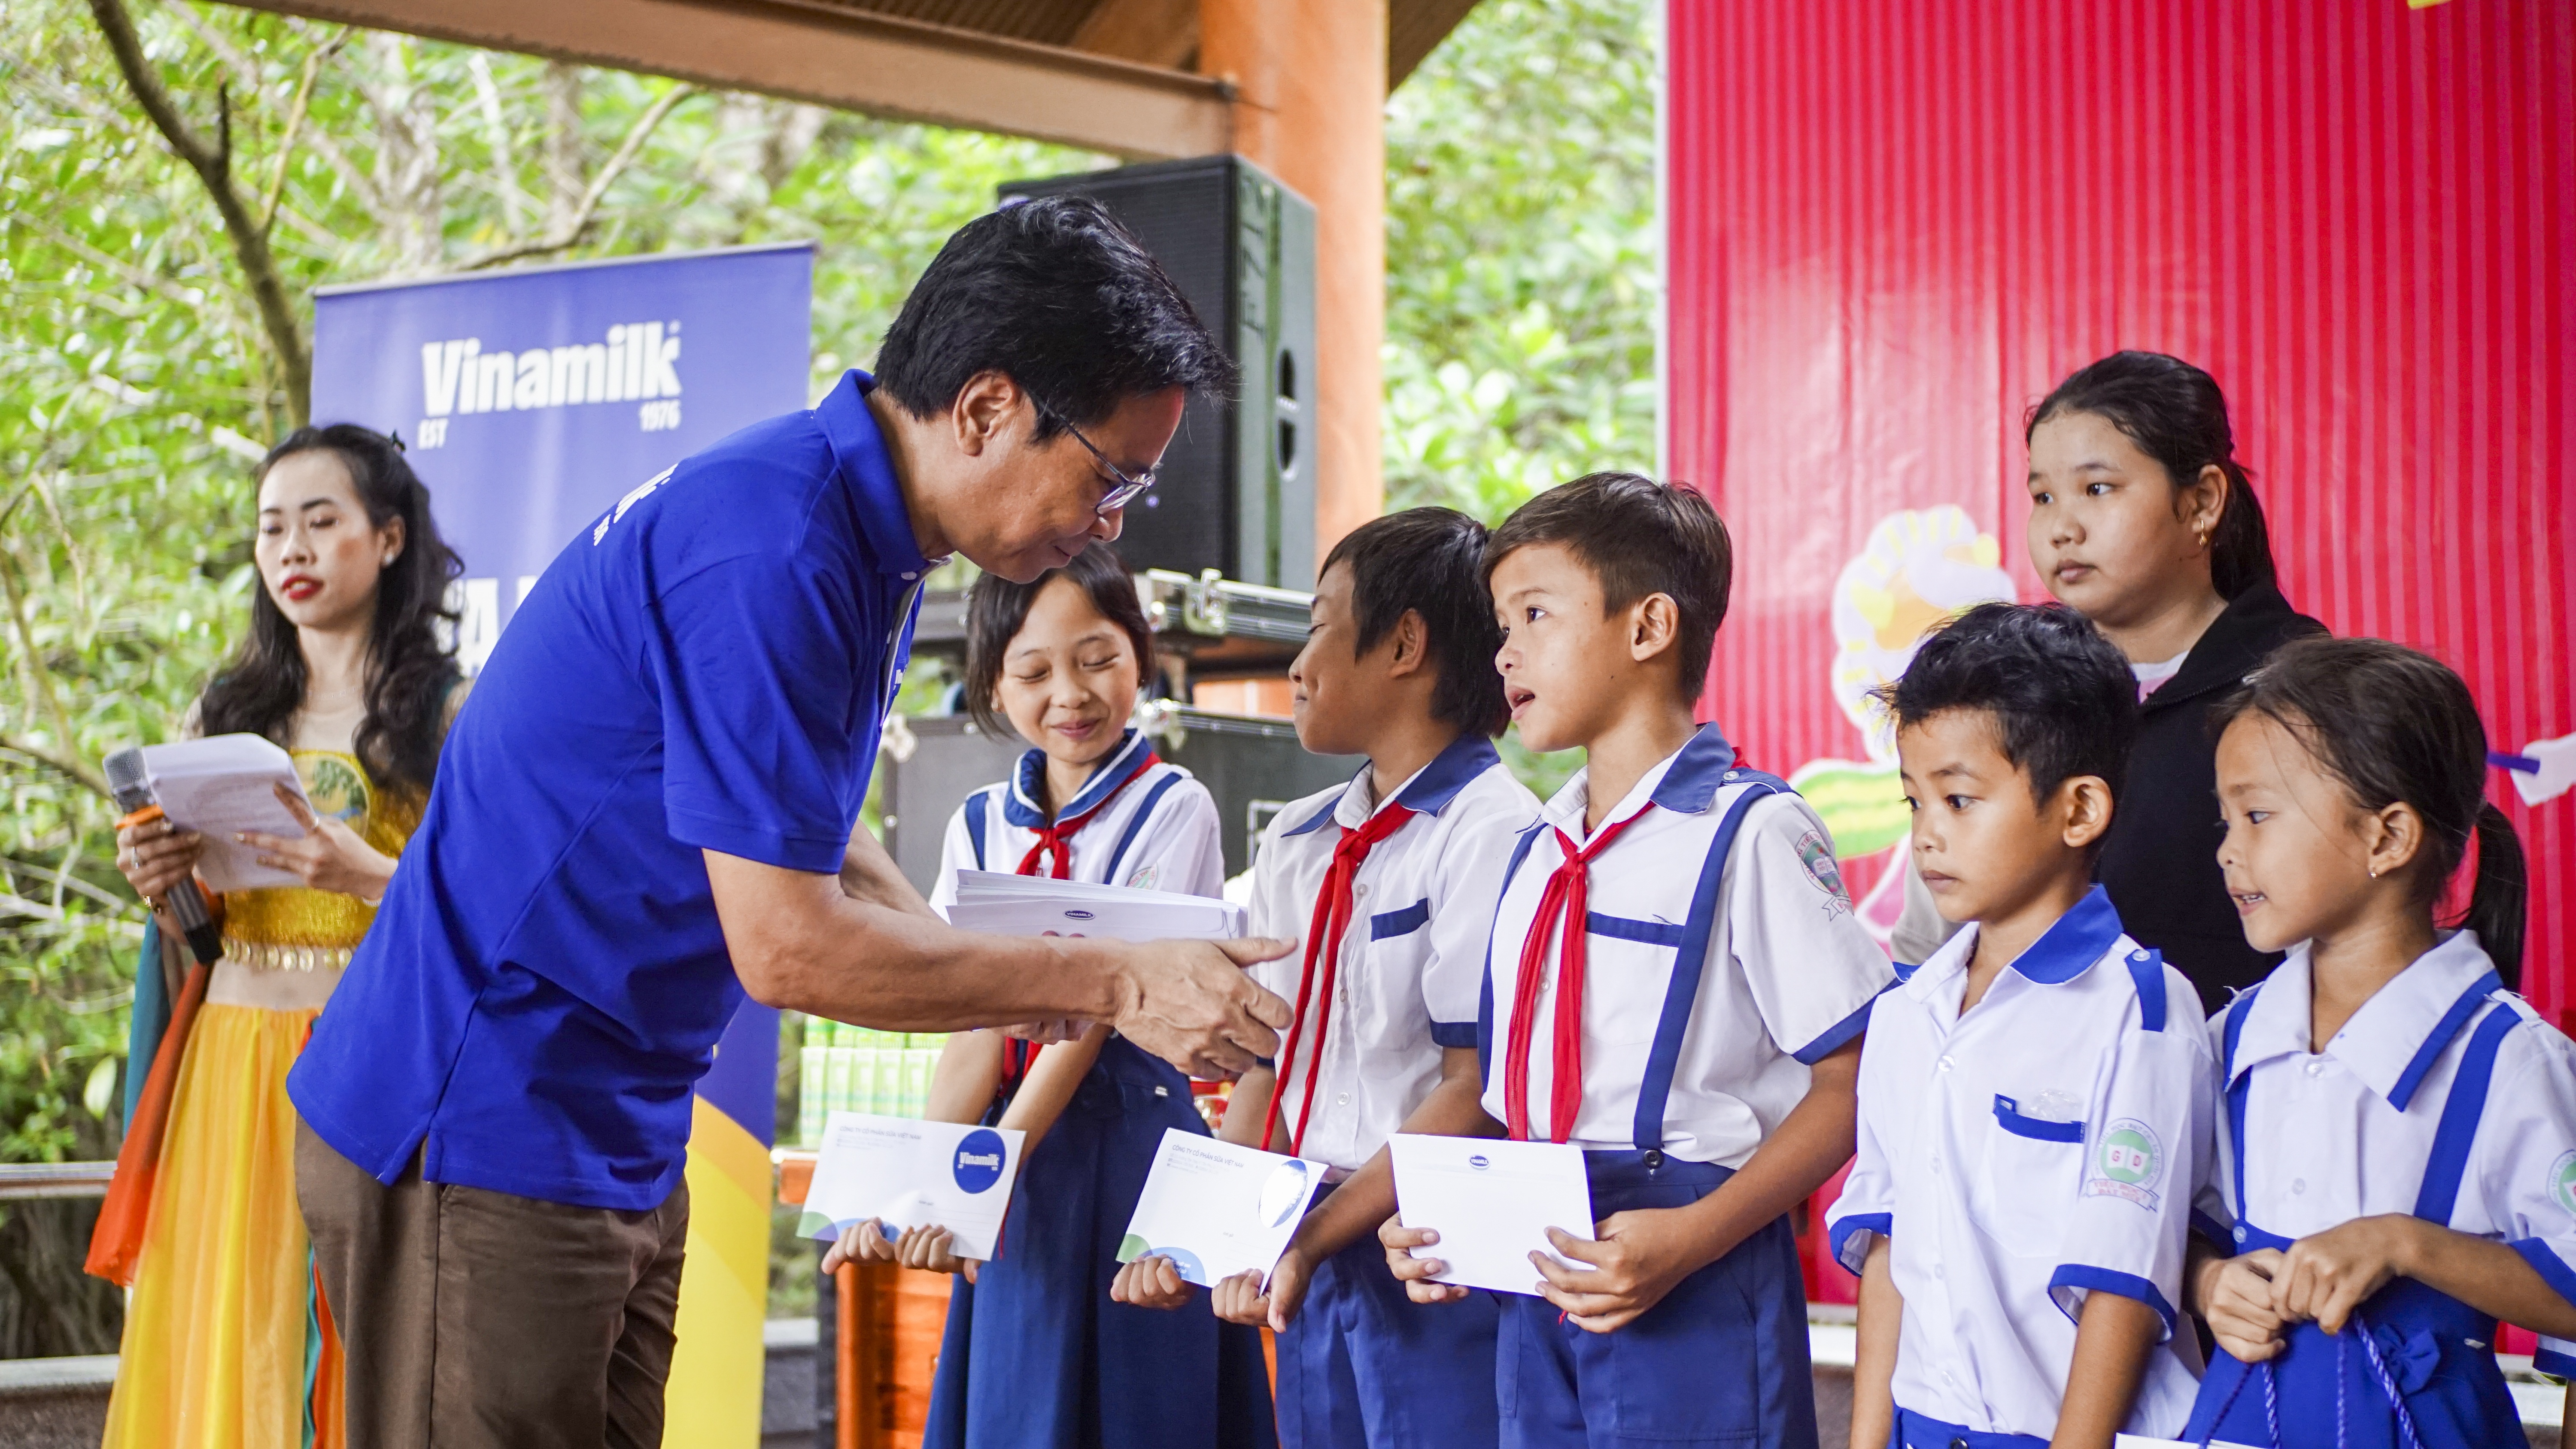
(1391, 882)
(1676, 984)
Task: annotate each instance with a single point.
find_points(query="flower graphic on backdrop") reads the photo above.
(1919, 567)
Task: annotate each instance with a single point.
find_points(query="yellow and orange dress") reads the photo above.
(221, 1350)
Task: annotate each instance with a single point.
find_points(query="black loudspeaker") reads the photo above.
(1237, 490)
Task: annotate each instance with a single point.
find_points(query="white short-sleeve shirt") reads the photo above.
(1158, 831)
(2382, 1085)
(2021, 1155)
(1787, 978)
(1413, 955)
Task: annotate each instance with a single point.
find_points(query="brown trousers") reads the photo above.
(479, 1320)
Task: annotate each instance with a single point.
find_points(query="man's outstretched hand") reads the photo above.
(1190, 1003)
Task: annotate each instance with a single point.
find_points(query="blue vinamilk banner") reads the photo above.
(530, 401)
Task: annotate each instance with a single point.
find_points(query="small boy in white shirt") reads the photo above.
(1676, 984)
(1390, 881)
(2036, 1107)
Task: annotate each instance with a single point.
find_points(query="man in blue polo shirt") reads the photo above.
(649, 808)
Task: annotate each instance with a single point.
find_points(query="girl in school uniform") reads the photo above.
(1036, 1355)
(2397, 1144)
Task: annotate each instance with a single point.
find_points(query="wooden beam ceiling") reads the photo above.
(839, 56)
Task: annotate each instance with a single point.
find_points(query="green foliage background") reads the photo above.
(136, 384)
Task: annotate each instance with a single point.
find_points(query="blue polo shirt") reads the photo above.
(707, 666)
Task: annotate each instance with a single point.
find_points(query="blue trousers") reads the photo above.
(1721, 1361)
(1364, 1367)
(1036, 1356)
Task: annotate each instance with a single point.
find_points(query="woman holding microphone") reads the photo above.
(345, 667)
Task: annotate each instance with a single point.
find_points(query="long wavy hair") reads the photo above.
(411, 657)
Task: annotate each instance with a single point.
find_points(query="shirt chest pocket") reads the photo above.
(2027, 1170)
(1388, 990)
(1629, 966)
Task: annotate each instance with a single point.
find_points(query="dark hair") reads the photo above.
(1430, 561)
(2394, 725)
(2176, 415)
(996, 608)
(411, 656)
(2063, 699)
(1058, 296)
(1638, 537)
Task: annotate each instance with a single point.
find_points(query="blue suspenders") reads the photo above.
(1681, 991)
(2453, 1136)
(975, 825)
(1136, 825)
(976, 807)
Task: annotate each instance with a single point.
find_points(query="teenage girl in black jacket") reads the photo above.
(2142, 520)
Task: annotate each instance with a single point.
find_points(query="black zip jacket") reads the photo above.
(2160, 863)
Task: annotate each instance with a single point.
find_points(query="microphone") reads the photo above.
(132, 786)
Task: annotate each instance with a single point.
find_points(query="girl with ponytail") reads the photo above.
(2398, 1143)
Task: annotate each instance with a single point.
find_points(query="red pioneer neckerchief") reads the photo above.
(1563, 908)
(1324, 942)
(1056, 838)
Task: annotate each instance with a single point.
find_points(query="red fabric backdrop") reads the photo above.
(1894, 224)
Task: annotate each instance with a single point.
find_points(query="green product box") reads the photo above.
(809, 1096)
(836, 1079)
(869, 1081)
(845, 1035)
(916, 1081)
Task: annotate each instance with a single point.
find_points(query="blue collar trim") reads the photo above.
(1430, 790)
(868, 474)
(2073, 942)
(1452, 770)
(1020, 806)
(1320, 818)
(1697, 773)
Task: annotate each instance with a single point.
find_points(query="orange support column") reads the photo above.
(1310, 108)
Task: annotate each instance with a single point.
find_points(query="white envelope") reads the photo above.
(911, 1173)
(1217, 1209)
(1492, 1203)
(1019, 905)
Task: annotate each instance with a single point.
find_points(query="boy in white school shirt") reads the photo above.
(1390, 881)
(1676, 984)
(2036, 1107)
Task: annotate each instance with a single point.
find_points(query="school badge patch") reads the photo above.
(2562, 1182)
(2130, 1160)
(1818, 856)
(1145, 878)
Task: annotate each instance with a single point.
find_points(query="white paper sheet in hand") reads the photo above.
(911, 1173)
(2141, 1441)
(1492, 1203)
(1021, 905)
(1217, 1209)
(220, 786)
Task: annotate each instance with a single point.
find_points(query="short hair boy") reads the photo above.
(1390, 881)
(1677, 985)
(2035, 1108)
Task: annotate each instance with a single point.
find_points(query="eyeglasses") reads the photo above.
(1127, 489)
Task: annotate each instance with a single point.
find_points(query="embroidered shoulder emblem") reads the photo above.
(2562, 1182)
(2131, 1161)
(1817, 854)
